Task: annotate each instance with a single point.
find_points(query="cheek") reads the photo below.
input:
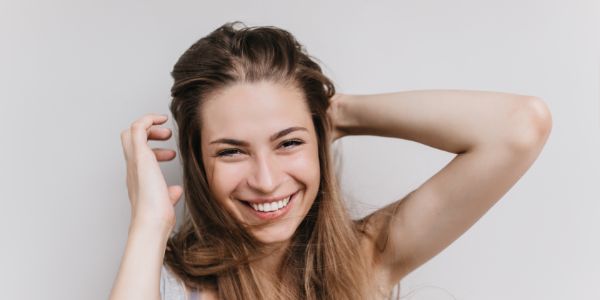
(224, 180)
(305, 167)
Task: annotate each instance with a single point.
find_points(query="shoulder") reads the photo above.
(171, 287)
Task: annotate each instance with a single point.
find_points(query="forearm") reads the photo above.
(139, 272)
(450, 120)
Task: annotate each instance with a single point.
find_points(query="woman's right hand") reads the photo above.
(150, 197)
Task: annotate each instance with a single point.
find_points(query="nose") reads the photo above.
(266, 175)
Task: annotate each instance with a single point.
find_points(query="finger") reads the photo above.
(175, 192)
(159, 133)
(140, 128)
(148, 120)
(163, 154)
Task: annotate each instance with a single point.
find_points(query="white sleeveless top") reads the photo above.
(172, 288)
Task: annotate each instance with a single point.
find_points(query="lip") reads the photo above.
(268, 200)
(272, 214)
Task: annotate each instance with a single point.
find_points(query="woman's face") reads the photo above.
(259, 146)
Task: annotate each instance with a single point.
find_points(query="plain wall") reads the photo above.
(73, 74)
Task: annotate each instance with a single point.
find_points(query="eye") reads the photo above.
(291, 143)
(228, 152)
(234, 151)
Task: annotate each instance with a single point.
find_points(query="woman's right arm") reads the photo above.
(139, 272)
(152, 210)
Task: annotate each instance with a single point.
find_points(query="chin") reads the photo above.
(276, 233)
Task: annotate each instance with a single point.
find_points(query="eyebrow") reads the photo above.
(272, 138)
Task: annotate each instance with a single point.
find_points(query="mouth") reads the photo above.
(273, 209)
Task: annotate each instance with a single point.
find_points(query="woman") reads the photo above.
(264, 218)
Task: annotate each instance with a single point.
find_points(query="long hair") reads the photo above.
(211, 249)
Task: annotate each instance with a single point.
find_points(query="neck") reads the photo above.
(268, 266)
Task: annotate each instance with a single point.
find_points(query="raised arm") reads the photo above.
(496, 136)
(152, 210)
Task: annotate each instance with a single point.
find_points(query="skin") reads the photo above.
(264, 168)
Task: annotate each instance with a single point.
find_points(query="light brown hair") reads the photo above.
(211, 249)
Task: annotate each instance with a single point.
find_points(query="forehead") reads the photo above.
(260, 108)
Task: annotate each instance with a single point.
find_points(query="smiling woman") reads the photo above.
(265, 220)
(264, 217)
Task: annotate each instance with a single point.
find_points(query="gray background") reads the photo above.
(75, 73)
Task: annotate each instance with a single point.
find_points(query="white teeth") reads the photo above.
(273, 206)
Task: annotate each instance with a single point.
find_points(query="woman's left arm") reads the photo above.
(496, 136)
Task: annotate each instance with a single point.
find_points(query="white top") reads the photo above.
(172, 288)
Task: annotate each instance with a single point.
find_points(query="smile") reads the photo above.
(272, 206)
(271, 210)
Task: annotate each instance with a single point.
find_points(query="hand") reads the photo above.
(333, 113)
(151, 200)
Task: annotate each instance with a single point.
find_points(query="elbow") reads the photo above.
(534, 126)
